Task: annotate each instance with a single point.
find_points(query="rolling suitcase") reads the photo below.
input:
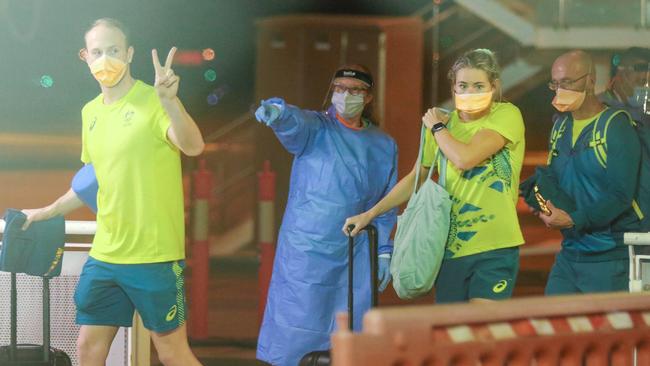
(29, 354)
(323, 358)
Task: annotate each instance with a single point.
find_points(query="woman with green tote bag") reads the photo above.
(483, 143)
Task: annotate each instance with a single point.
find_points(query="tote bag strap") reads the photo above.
(442, 165)
(442, 169)
(418, 163)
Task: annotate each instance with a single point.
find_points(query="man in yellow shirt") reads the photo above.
(133, 134)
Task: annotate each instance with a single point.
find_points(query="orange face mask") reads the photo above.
(472, 103)
(108, 70)
(568, 100)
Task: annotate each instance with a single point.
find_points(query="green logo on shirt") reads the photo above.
(500, 286)
(171, 314)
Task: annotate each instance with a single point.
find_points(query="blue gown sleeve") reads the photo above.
(386, 221)
(295, 128)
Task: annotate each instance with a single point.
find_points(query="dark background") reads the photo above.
(42, 38)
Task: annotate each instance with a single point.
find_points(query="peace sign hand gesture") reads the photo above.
(166, 82)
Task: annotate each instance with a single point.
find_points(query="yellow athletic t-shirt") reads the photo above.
(140, 216)
(580, 124)
(483, 213)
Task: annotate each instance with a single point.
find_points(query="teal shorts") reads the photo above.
(577, 275)
(489, 275)
(108, 294)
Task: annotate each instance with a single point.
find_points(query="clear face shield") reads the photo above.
(641, 95)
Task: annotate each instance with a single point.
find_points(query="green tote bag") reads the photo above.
(422, 231)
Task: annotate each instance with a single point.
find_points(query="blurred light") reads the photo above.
(47, 81)
(210, 75)
(215, 96)
(213, 99)
(208, 54)
(188, 58)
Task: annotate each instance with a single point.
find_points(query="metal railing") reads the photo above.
(130, 346)
(229, 155)
(638, 261)
(229, 128)
(72, 227)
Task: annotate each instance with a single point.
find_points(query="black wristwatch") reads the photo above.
(437, 127)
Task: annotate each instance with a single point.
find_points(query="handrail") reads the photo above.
(423, 10)
(636, 238)
(435, 19)
(463, 44)
(238, 175)
(439, 18)
(241, 175)
(72, 227)
(229, 127)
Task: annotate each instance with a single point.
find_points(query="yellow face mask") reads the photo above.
(108, 70)
(472, 103)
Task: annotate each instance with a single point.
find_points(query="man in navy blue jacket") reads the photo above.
(594, 153)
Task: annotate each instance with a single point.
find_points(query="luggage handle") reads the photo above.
(13, 341)
(374, 266)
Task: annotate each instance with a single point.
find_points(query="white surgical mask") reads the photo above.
(348, 105)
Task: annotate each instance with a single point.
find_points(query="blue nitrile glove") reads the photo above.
(383, 273)
(269, 110)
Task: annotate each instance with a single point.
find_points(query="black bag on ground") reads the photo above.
(324, 358)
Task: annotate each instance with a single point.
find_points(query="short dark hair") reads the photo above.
(111, 23)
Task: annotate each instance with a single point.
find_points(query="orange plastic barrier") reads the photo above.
(604, 329)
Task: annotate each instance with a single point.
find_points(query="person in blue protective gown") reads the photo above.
(343, 165)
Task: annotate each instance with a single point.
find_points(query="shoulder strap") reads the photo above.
(599, 133)
(442, 168)
(439, 159)
(559, 125)
(418, 163)
(599, 143)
